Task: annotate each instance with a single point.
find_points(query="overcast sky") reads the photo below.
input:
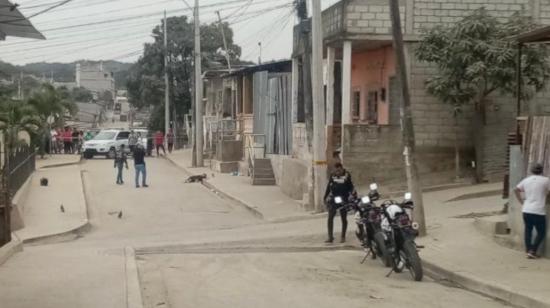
(117, 29)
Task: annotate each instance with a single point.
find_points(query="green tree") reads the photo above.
(50, 102)
(82, 95)
(146, 80)
(478, 57)
(17, 117)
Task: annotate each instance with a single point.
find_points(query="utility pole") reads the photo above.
(407, 128)
(166, 84)
(19, 91)
(260, 57)
(224, 42)
(319, 138)
(198, 88)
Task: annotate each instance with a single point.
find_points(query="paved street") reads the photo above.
(243, 262)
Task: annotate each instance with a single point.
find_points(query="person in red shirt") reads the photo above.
(67, 140)
(159, 142)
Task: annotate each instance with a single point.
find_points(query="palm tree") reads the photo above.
(17, 117)
(50, 102)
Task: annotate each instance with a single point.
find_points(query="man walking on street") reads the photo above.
(139, 164)
(170, 140)
(120, 162)
(534, 189)
(159, 142)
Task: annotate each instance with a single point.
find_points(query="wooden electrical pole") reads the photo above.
(319, 138)
(407, 128)
(166, 84)
(227, 58)
(198, 88)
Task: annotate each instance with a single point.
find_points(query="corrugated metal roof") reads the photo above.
(13, 23)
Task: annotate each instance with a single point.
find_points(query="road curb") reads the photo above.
(61, 164)
(71, 234)
(480, 286)
(220, 192)
(133, 289)
(10, 249)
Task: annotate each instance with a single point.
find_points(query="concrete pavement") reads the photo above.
(41, 209)
(267, 202)
(455, 249)
(57, 160)
(92, 271)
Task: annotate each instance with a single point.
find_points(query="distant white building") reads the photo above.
(94, 77)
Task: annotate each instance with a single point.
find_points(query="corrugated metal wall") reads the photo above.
(272, 95)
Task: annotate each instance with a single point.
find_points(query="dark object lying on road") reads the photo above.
(196, 178)
(43, 182)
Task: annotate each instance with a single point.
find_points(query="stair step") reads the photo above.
(262, 163)
(263, 182)
(263, 176)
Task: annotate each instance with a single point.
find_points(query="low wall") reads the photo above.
(375, 154)
(294, 178)
(18, 211)
(229, 150)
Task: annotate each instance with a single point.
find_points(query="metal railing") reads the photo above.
(18, 166)
(255, 148)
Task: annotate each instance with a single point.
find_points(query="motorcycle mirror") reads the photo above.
(365, 200)
(408, 196)
(338, 200)
(373, 186)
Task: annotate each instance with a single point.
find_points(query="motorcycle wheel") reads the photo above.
(414, 263)
(381, 249)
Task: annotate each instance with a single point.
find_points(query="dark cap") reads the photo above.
(537, 169)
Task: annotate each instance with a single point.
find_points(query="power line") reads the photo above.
(249, 15)
(38, 13)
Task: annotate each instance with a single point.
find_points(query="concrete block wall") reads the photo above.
(375, 154)
(370, 16)
(434, 123)
(544, 11)
(332, 19)
(429, 13)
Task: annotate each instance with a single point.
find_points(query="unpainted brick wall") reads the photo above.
(370, 16)
(434, 123)
(429, 13)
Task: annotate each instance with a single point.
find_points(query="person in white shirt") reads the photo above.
(532, 193)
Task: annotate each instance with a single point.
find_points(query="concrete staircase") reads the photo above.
(262, 172)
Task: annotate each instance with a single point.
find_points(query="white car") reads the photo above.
(106, 142)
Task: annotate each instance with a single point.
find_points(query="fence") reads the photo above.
(18, 167)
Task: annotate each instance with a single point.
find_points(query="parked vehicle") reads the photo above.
(106, 142)
(368, 218)
(399, 234)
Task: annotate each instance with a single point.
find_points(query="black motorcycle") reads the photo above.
(399, 233)
(368, 217)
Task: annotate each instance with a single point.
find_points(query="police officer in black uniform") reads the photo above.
(340, 185)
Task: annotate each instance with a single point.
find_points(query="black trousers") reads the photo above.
(332, 210)
(160, 146)
(537, 222)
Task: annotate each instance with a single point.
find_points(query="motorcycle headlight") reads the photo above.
(365, 200)
(373, 186)
(408, 196)
(338, 200)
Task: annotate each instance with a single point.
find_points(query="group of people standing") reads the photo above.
(68, 140)
(138, 152)
(121, 161)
